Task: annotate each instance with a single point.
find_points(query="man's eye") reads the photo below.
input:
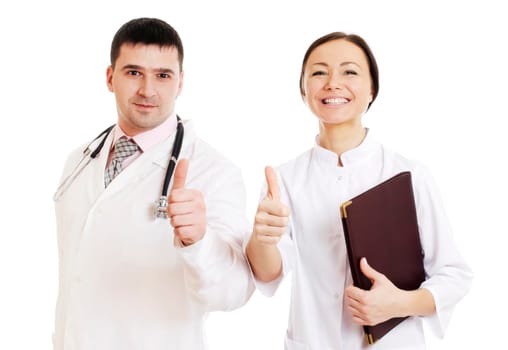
(133, 72)
(164, 76)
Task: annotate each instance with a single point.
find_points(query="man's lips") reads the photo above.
(144, 105)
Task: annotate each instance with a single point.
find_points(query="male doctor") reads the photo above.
(129, 280)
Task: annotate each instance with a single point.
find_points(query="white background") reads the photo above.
(442, 100)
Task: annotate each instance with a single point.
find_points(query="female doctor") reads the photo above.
(298, 229)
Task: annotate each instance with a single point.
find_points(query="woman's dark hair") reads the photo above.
(147, 31)
(354, 39)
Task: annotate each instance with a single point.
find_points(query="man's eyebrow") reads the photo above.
(164, 70)
(132, 66)
(158, 70)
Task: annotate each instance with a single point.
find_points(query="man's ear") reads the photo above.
(109, 78)
(180, 84)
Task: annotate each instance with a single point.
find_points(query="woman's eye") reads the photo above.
(318, 73)
(351, 72)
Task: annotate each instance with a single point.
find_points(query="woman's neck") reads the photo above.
(341, 138)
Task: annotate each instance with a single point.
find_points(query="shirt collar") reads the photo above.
(350, 157)
(148, 139)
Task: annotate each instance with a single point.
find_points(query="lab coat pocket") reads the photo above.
(290, 344)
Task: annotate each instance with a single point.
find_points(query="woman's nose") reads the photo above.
(334, 81)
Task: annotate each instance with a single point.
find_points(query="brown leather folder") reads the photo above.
(381, 225)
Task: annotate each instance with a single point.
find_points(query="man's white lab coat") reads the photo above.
(124, 282)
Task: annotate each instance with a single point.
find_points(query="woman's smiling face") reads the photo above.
(337, 82)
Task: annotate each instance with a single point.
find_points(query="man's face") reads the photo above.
(146, 81)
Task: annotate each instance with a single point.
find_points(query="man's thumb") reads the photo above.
(180, 174)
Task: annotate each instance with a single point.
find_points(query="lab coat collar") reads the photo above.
(155, 159)
(350, 157)
(189, 134)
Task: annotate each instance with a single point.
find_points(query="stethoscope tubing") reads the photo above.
(175, 153)
(88, 155)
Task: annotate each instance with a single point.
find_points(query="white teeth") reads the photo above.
(335, 101)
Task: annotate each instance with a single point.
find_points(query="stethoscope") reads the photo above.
(161, 204)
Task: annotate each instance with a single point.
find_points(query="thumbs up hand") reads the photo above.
(186, 208)
(272, 217)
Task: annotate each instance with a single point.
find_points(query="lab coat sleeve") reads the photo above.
(216, 269)
(285, 246)
(71, 162)
(448, 275)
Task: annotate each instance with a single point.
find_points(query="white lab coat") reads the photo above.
(124, 283)
(314, 249)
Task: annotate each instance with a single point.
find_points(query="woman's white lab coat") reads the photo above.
(314, 250)
(123, 281)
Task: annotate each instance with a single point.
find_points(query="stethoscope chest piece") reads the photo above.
(161, 207)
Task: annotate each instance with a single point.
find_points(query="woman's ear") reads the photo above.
(303, 96)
